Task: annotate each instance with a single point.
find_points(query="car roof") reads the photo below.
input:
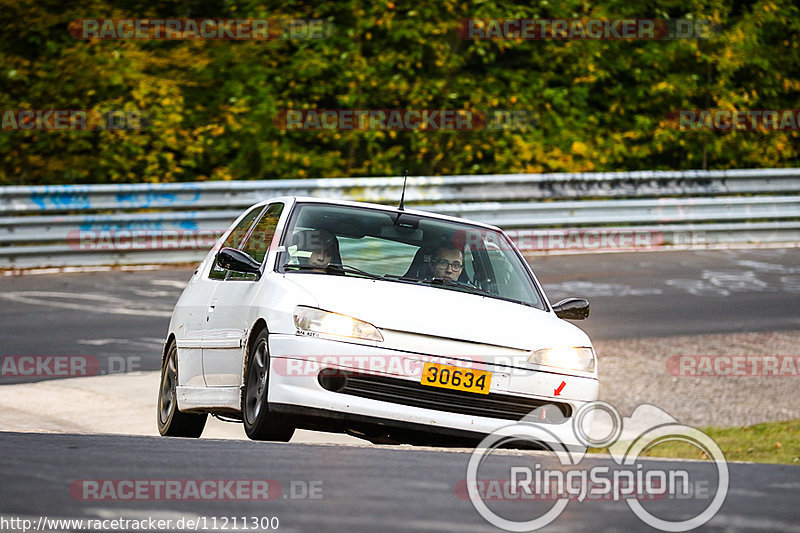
(381, 207)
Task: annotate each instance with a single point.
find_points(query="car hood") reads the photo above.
(440, 312)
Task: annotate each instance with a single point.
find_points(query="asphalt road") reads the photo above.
(121, 318)
(343, 488)
(663, 294)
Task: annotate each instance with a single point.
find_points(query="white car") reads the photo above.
(392, 325)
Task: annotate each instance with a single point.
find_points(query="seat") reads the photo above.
(419, 265)
(310, 240)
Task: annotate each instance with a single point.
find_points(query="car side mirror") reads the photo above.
(572, 309)
(238, 261)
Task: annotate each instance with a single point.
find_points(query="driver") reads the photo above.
(321, 249)
(447, 262)
(315, 248)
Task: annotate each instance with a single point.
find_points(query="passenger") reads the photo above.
(447, 263)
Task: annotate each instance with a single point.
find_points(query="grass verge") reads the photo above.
(772, 442)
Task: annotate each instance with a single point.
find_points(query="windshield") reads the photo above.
(405, 248)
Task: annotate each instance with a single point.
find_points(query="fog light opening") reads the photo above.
(331, 379)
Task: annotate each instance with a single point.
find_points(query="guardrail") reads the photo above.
(44, 225)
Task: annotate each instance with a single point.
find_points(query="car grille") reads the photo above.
(411, 393)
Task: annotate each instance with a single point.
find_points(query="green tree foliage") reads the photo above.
(599, 105)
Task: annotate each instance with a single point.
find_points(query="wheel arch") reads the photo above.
(170, 340)
(258, 326)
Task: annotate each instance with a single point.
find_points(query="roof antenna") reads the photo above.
(403, 196)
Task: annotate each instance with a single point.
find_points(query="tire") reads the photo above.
(172, 422)
(259, 423)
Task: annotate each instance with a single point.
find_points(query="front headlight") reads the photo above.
(569, 358)
(311, 320)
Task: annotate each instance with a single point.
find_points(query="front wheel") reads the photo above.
(259, 423)
(171, 422)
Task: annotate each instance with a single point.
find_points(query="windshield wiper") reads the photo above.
(335, 268)
(454, 283)
(290, 266)
(469, 287)
(402, 278)
(332, 268)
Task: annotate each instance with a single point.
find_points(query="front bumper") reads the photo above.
(296, 362)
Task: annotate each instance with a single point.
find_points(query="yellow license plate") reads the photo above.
(457, 378)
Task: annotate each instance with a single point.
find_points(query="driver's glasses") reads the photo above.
(444, 263)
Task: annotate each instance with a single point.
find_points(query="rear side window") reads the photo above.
(235, 239)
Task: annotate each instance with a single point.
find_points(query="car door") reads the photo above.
(228, 315)
(192, 308)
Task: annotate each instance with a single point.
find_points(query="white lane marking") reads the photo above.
(735, 280)
(32, 271)
(169, 283)
(104, 342)
(790, 283)
(76, 269)
(133, 514)
(738, 522)
(153, 294)
(768, 267)
(137, 268)
(600, 289)
(697, 287)
(50, 299)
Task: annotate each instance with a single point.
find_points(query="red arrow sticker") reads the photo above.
(557, 391)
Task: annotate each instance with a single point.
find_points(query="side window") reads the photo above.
(260, 238)
(235, 239)
(509, 284)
